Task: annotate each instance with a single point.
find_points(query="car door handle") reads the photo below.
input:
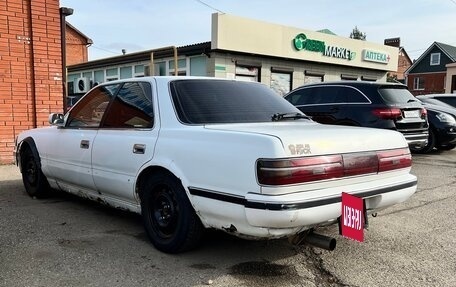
(85, 144)
(139, 148)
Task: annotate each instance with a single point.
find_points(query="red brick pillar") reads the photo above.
(30, 68)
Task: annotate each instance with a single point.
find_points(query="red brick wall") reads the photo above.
(402, 66)
(30, 68)
(433, 83)
(76, 49)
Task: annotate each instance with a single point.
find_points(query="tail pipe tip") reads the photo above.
(321, 241)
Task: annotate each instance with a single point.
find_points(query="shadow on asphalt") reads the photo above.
(213, 240)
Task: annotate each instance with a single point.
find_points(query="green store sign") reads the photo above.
(301, 42)
(377, 57)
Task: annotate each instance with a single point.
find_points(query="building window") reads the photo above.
(348, 77)
(313, 77)
(99, 77)
(73, 77)
(125, 72)
(248, 74)
(112, 74)
(418, 83)
(181, 67)
(281, 80)
(87, 75)
(198, 66)
(139, 71)
(369, 78)
(435, 59)
(160, 69)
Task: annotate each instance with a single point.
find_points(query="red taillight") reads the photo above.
(394, 159)
(423, 113)
(307, 169)
(387, 113)
(289, 171)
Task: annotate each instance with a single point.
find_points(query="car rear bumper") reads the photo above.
(280, 212)
(274, 216)
(417, 140)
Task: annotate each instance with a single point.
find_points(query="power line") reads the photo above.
(454, 2)
(207, 5)
(98, 48)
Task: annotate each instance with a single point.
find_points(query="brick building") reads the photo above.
(404, 61)
(76, 44)
(30, 68)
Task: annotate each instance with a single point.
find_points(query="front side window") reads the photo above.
(435, 59)
(221, 101)
(89, 111)
(300, 97)
(131, 108)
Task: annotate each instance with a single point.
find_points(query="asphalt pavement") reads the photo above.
(67, 241)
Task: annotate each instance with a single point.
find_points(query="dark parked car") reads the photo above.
(366, 104)
(439, 99)
(442, 128)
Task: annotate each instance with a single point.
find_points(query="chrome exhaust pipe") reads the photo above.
(317, 240)
(321, 241)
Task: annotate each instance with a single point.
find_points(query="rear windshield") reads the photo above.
(396, 95)
(220, 101)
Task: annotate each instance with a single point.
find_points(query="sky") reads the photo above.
(138, 25)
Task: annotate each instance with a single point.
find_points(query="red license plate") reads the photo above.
(352, 220)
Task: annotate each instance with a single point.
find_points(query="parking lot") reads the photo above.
(67, 241)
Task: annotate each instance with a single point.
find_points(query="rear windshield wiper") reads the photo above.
(286, 116)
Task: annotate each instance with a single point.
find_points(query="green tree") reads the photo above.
(357, 34)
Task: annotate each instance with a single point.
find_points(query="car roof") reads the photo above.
(167, 79)
(437, 95)
(355, 84)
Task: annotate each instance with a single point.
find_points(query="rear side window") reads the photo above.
(221, 101)
(315, 96)
(131, 108)
(396, 95)
(326, 95)
(353, 96)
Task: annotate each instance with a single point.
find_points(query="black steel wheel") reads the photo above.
(169, 219)
(34, 180)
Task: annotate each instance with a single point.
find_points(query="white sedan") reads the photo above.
(194, 153)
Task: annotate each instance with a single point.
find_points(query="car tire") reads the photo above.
(169, 219)
(447, 147)
(35, 182)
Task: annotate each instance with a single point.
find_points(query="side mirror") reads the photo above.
(56, 119)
